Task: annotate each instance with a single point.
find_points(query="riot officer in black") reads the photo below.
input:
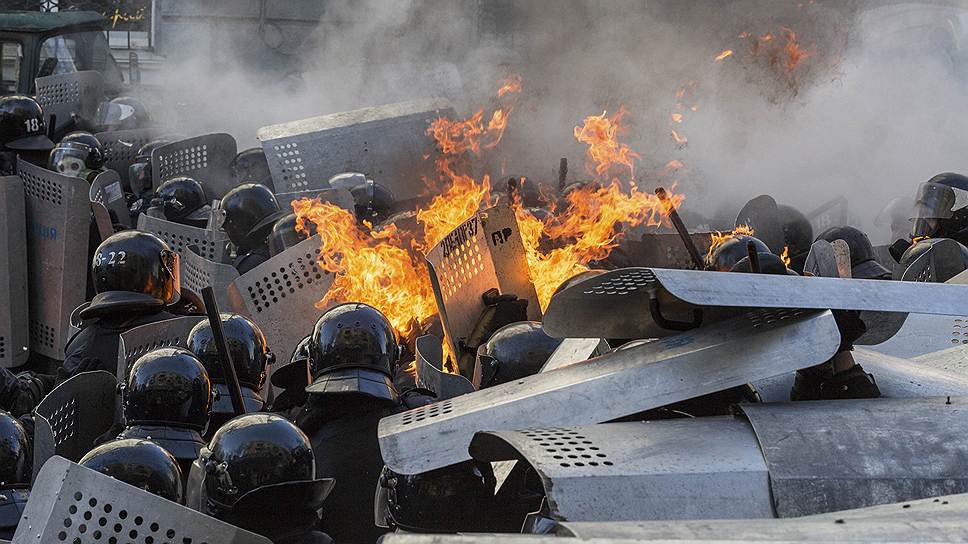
(15, 472)
(182, 200)
(863, 262)
(372, 202)
(23, 132)
(353, 354)
(250, 212)
(259, 473)
(140, 186)
(251, 166)
(141, 463)
(135, 275)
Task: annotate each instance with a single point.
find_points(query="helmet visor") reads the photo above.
(933, 201)
(111, 114)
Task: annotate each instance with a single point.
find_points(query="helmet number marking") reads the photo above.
(110, 258)
(33, 125)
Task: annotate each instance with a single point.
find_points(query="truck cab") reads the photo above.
(37, 44)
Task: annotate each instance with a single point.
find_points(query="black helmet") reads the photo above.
(139, 173)
(284, 234)
(372, 201)
(168, 387)
(723, 256)
(296, 373)
(457, 498)
(250, 356)
(122, 113)
(252, 453)
(251, 166)
(183, 200)
(15, 454)
(934, 202)
(521, 188)
(797, 235)
(140, 463)
(250, 211)
(137, 262)
(70, 159)
(762, 215)
(22, 124)
(353, 349)
(513, 352)
(920, 247)
(769, 263)
(95, 159)
(863, 262)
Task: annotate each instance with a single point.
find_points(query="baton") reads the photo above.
(681, 229)
(225, 359)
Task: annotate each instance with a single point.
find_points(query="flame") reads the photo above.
(472, 134)
(513, 84)
(719, 238)
(461, 200)
(725, 54)
(680, 140)
(676, 117)
(785, 256)
(793, 54)
(601, 134)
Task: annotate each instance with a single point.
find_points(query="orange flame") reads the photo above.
(725, 54)
(601, 134)
(719, 238)
(471, 134)
(679, 139)
(793, 54)
(785, 256)
(461, 200)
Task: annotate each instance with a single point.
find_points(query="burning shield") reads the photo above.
(121, 147)
(13, 274)
(430, 373)
(387, 143)
(70, 503)
(597, 473)
(197, 272)
(280, 295)
(73, 415)
(71, 96)
(747, 348)
(207, 158)
(211, 244)
(484, 252)
(58, 218)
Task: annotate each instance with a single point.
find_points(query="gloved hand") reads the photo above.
(499, 310)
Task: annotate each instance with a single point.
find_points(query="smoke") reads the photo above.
(874, 109)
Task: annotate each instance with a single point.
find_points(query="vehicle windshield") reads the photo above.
(77, 52)
(10, 68)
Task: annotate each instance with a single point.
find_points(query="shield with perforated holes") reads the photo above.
(941, 262)
(73, 415)
(714, 358)
(121, 147)
(71, 96)
(71, 503)
(211, 244)
(160, 334)
(106, 189)
(207, 159)
(484, 252)
(58, 218)
(599, 472)
(14, 347)
(197, 272)
(281, 294)
(388, 143)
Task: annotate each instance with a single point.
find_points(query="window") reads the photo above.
(10, 70)
(59, 55)
(78, 52)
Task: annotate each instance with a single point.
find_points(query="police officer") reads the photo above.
(251, 166)
(21, 392)
(140, 187)
(182, 200)
(935, 214)
(722, 257)
(284, 234)
(250, 212)
(863, 262)
(167, 399)
(140, 463)
(250, 355)
(75, 159)
(293, 378)
(840, 377)
(135, 276)
(259, 473)
(23, 132)
(952, 265)
(353, 354)
(515, 351)
(372, 202)
(15, 473)
(122, 113)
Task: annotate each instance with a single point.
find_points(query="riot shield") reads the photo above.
(834, 455)
(842, 257)
(13, 274)
(106, 189)
(197, 272)
(922, 334)
(603, 473)
(821, 260)
(575, 350)
(73, 415)
(72, 96)
(430, 373)
(763, 216)
(665, 250)
(211, 244)
(281, 294)
(953, 360)
(940, 263)
(207, 158)
(620, 383)
(70, 503)
(387, 143)
(482, 253)
(121, 147)
(339, 197)
(829, 214)
(161, 334)
(58, 219)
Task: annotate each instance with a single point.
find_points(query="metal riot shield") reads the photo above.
(121, 147)
(665, 250)
(763, 216)
(281, 295)
(161, 334)
(954, 360)
(620, 383)
(430, 372)
(575, 350)
(73, 415)
(705, 468)
(829, 214)
(197, 272)
(211, 244)
(482, 253)
(72, 96)
(834, 455)
(107, 190)
(58, 219)
(339, 197)
(70, 503)
(940, 263)
(14, 343)
(207, 158)
(842, 256)
(922, 334)
(821, 260)
(387, 143)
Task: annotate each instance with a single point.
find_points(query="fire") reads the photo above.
(719, 238)
(780, 51)
(461, 200)
(725, 54)
(785, 256)
(676, 117)
(472, 134)
(512, 84)
(793, 54)
(604, 150)
(680, 140)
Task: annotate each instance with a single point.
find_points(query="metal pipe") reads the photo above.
(224, 357)
(681, 229)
